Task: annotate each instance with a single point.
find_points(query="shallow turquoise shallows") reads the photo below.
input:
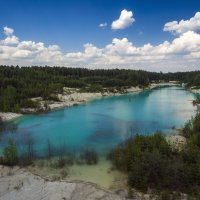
(105, 122)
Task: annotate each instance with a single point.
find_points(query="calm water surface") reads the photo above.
(105, 122)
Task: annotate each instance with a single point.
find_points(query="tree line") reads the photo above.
(19, 84)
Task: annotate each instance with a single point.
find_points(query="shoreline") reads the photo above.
(16, 183)
(101, 174)
(7, 116)
(195, 91)
(72, 97)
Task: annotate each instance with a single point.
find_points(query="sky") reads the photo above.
(153, 35)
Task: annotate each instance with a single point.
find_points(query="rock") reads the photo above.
(19, 184)
(176, 141)
(122, 193)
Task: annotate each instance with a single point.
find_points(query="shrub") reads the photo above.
(90, 156)
(165, 195)
(64, 173)
(150, 163)
(92, 88)
(62, 161)
(187, 129)
(196, 101)
(10, 155)
(25, 160)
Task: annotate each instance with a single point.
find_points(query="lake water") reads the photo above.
(103, 123)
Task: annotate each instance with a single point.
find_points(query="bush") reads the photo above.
(150, 163)
(165, 195)
(92, 88)
(64, 173)
(62, 162)
(28, 103)
(196, 101)
(90, 156)
(124, 154)
(193, 130)
(10, 155)
(187, 129)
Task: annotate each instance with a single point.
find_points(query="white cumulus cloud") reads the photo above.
(8, 31)
(125, 20)
(183, 26)
(180, 54)
(10, 40)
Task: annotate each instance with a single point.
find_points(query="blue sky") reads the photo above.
(70, 24)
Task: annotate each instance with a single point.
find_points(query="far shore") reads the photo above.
(72, 97)
(7, 116)
(196, 91)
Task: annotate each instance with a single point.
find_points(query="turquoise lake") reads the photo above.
(103, 123)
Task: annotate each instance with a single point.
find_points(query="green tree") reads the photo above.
(10, 154)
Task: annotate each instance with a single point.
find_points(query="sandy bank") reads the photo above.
(72, 97)
(196, 91)
(20, 184)
(155, 85)
(101, 174)
(9, 116)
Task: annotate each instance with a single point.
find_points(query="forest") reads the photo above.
(19, 84)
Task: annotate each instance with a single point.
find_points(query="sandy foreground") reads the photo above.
(19, 184)
(101, 174)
